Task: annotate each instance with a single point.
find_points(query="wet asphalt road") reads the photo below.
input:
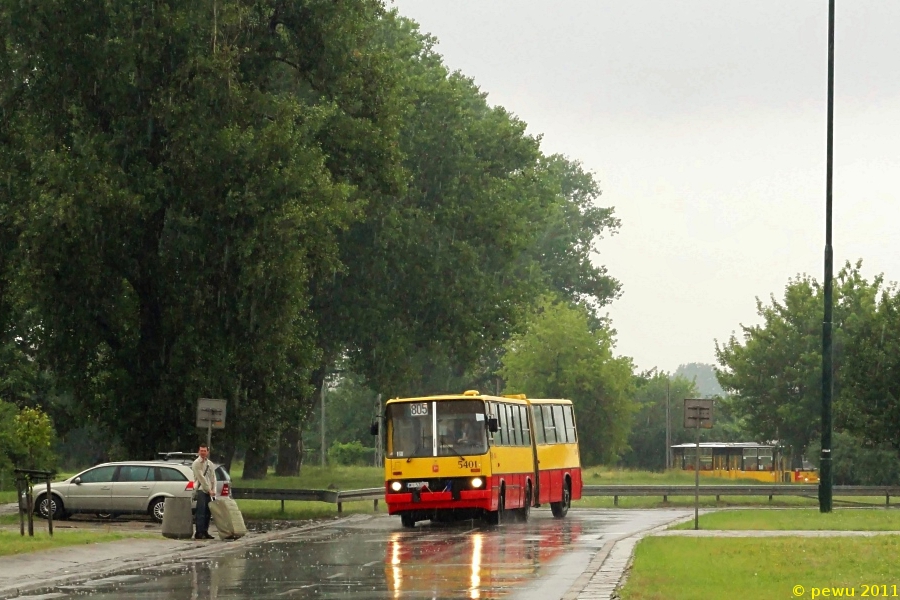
(374, 557)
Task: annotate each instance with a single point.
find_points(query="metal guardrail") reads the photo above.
(770, 490)
(331, 496)
(795, 489)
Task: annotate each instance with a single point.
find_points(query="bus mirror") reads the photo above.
(373, 428)
(493, 425)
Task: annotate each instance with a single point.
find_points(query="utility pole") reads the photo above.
(322, 428)
(825, 477)
(668, 428)
(379, 458)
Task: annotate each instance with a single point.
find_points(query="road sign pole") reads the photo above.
(697, 478)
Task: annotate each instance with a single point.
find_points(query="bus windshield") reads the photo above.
(444, 428)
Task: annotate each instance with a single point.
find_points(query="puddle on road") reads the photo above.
(463, 560)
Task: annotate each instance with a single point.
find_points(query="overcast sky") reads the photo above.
(704, 122)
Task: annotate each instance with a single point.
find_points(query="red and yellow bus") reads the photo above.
(468, 455)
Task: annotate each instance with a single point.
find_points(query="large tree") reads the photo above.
(179, 172)
(561, 355)
(870, 406)
(438, 277)
(774, 373)
(647, 438)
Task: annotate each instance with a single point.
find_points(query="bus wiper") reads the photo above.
(416, 450)
(450, 446)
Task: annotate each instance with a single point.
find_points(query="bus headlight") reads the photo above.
(477, 482)
(396, 486)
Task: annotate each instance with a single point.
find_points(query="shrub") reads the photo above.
(351, 453)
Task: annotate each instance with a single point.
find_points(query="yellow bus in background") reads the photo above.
(743, 460)
(473, 455)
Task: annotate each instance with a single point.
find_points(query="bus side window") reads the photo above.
(559, 422)
(570, 424)
(538, 424)
(549, 427)
(515, 427)
(504, 433)
(526, 431)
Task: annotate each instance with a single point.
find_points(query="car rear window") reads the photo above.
(169, 474)
(221, 474)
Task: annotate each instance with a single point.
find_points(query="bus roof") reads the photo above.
(549, 401)
(440, 397)
(725, 445)
(475, 395)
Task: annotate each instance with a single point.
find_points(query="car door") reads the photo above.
(132, 488)
(91, 490)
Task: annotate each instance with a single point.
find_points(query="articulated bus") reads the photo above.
(472, 455)
(743, 460)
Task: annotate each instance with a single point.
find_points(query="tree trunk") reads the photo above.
(256, 460)
(290, 452)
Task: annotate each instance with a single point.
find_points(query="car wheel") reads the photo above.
(156, 509)
(54, 505)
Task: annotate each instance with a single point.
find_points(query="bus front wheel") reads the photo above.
(407, 521)
(559, 509)
(496, 517)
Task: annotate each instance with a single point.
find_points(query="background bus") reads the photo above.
(743, 460)
(473, 455)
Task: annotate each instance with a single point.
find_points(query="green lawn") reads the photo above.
(608, 476)
(7, 496)
(270, 510)
(311, 478)
(316, 478)
(761, 568)
(846, 519)
(13, 543)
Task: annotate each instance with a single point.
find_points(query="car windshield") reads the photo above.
(445, 428)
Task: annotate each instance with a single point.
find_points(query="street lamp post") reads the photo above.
(825, 478)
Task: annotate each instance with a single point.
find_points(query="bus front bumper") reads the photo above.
(437, 500)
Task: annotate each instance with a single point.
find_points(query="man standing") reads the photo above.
(205, 485)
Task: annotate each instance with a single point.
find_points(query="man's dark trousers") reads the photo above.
(202, 515)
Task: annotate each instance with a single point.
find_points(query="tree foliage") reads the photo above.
(647, 438)
(870, 405)
(227, 199)
(561, 356)
(180, 172)
(774, 374)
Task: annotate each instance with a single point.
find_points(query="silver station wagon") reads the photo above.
(128, 487)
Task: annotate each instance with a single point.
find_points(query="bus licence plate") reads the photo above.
(415, 485)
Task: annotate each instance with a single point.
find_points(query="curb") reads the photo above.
(50, 584)
(614, 583)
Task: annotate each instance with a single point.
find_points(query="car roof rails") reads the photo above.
(177, 455)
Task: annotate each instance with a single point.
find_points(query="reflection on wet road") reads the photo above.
(374, 557)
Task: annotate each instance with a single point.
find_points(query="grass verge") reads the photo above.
(761, 568)
(724, 502)
(318, 478)
(270, 510)
(847, 519)
(13, 543)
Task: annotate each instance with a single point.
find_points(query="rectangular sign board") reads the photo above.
(698, 413)
(211, 411)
